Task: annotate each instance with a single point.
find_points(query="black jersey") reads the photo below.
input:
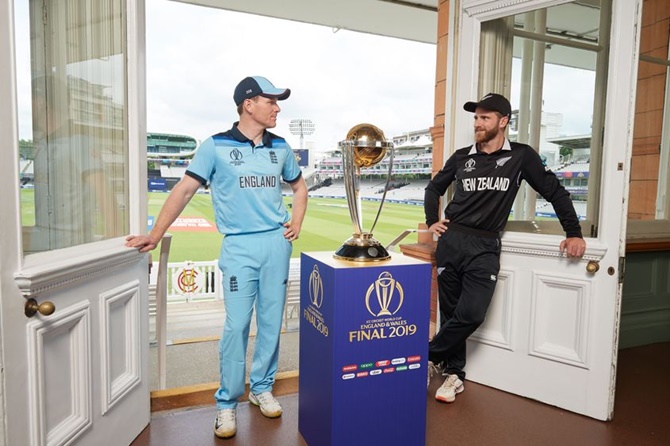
(486, 185)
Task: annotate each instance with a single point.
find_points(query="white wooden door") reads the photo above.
(79, 375)
(551, 331)
(85, 367)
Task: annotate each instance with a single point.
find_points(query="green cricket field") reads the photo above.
(326, 226)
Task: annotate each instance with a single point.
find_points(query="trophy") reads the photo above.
(365, 146)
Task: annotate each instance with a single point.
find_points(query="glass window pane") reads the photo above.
(548, 63)
(72, 122)
(565, 119)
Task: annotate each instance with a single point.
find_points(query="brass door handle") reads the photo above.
(46, 308)
(592, 267)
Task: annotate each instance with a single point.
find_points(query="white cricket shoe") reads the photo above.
(449, 388)
(269, 406)
(225, 425)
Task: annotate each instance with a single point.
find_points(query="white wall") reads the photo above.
(369, 16)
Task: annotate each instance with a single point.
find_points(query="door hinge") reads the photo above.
(594, 231)
(622, 269)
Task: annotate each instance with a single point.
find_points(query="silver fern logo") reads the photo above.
(501, 162)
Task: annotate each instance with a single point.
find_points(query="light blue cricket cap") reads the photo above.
(253, 86)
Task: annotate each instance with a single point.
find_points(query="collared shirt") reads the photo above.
(245, 180)
(486, 186)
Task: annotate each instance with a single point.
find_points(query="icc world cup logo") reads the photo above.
(315, 286)
(236, 155)
(386, 302)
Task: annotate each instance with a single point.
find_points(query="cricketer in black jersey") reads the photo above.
(487, 177)
(486, 186)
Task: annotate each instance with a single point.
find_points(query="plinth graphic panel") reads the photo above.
(363, 350)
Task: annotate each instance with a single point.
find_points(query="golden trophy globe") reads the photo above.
(365, 146)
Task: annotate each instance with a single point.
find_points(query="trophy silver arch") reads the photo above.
(365, 146)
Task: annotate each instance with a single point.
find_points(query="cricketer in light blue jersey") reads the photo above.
(245, 168)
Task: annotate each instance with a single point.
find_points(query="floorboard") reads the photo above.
(480, 416)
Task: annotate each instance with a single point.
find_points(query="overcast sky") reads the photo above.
(197, 55)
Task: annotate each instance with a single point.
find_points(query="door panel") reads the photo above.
(120, 319)
(497, 332)
(551, 331)
(559, 318)
(59, 370)
(87, 363)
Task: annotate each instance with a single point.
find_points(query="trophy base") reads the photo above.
(362, 249)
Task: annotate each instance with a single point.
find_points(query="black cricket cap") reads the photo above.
(492, 102)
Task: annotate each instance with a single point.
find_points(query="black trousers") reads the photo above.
(467, 272)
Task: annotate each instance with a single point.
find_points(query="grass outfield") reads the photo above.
(326, 226)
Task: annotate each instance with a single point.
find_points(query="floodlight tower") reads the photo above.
(301, 127)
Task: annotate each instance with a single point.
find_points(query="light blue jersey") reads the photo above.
(246, 180)
(246, 191)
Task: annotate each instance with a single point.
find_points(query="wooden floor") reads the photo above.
(480, 416)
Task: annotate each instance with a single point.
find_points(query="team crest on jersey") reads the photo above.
(236, 157)
(233, 285)
(469, 165)
(273, 157)
(501, 162)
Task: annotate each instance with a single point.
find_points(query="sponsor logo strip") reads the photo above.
(381, 367)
